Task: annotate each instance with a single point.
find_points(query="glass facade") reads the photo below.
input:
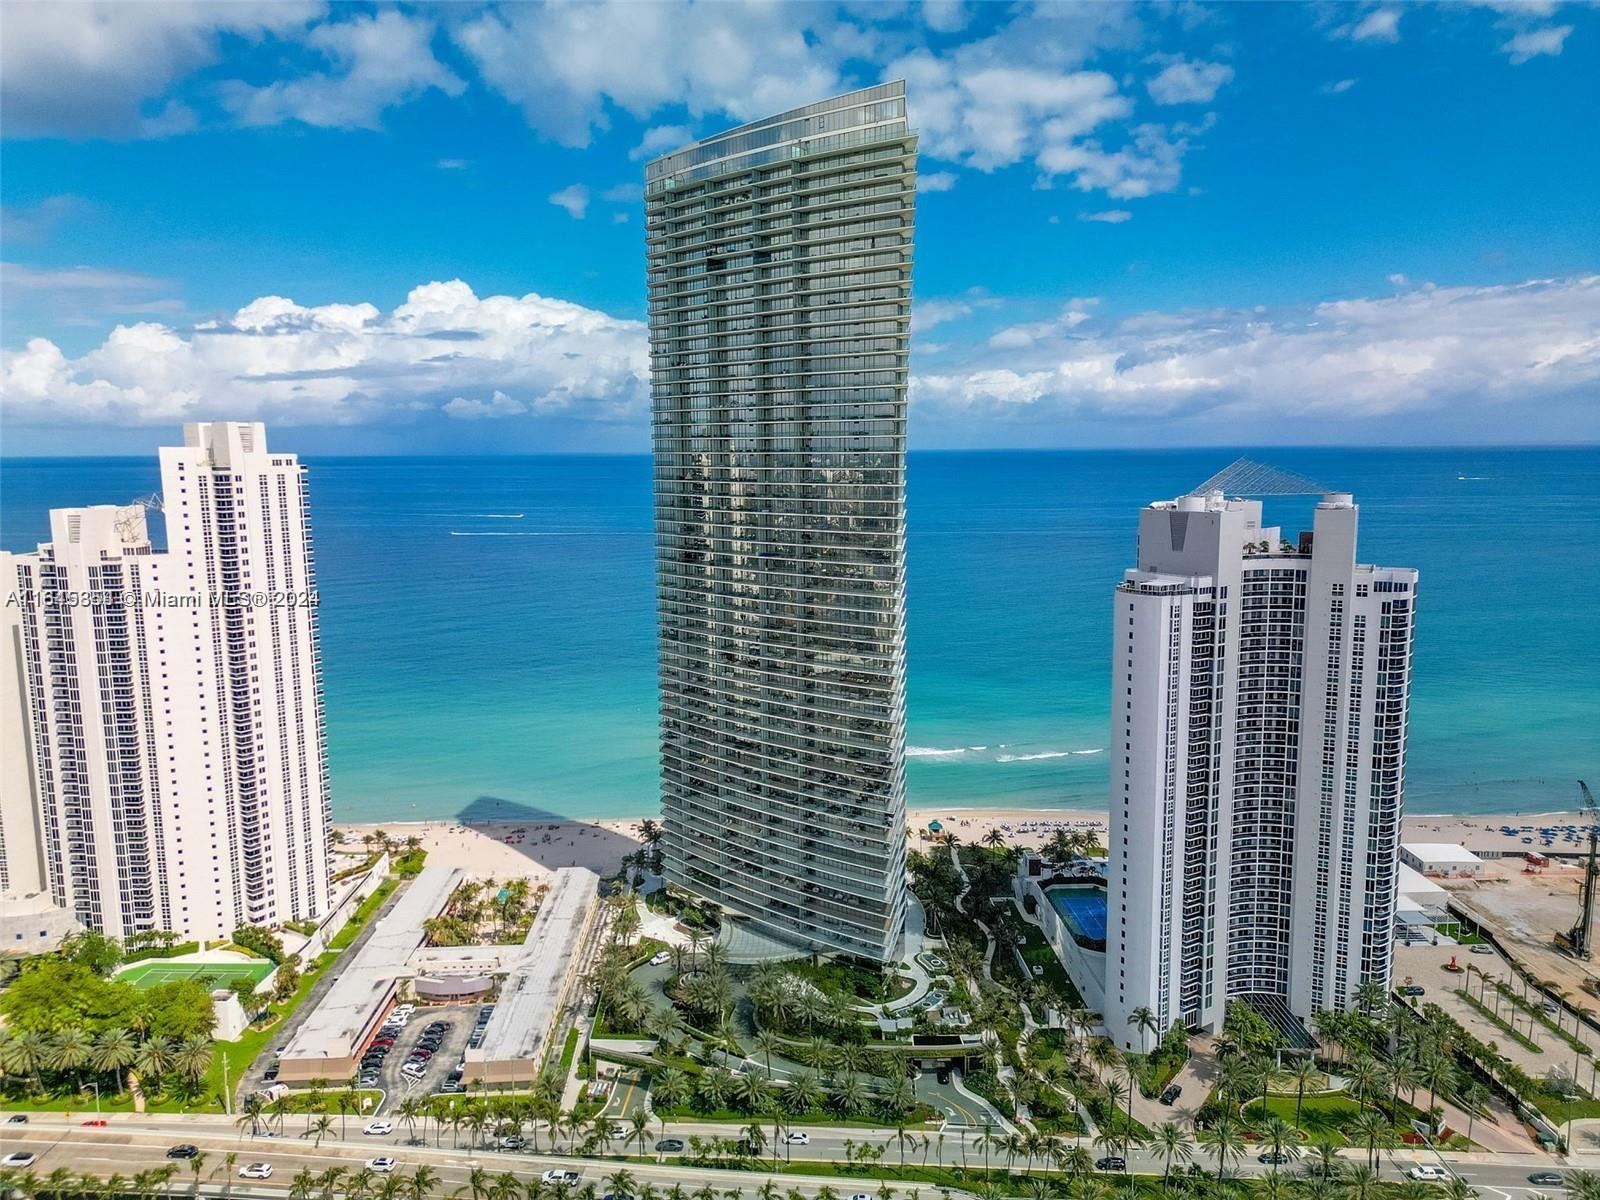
(779, 301)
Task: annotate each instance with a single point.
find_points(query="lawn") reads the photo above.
(362, 914)
(150, 974)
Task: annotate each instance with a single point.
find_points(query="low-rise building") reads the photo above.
(538, 984)
(1440, 858)
(330, 1039)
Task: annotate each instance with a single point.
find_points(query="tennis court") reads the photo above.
(149, 974)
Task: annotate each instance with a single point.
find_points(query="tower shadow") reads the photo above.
(549, 838)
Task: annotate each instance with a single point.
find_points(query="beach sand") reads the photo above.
(508, 849)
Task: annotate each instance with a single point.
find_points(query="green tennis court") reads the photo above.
(149, 974)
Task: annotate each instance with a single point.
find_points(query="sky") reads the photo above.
(418, 229)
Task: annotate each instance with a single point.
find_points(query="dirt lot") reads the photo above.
(1525, 911)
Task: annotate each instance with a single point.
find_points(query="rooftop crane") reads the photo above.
(1579, 940)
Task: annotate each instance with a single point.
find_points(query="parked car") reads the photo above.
(1170, 1094)
(18, 1160)
(1482, 948)
(669, 1146)
(1111, 1162)
(1412, 989)
(660, 957)
(377, 1128)
(383, 1164)
(183, 1150)
(258, 1170)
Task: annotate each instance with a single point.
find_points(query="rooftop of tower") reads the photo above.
(760, 141)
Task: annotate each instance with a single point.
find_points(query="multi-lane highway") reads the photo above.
(130, 1144)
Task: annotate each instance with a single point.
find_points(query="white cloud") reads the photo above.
(1379, 25)
(936, 181)
(574, 198)
(1151, 163)
(376, 61)
(927, 314)
(1074, 313)
(1111, 216)
(1534, 42)
(451, 164)
(1338, 87)
(1186, 82)
(1494, 355)
(55, 279)
(569, 65)
(89, 69)
(342, 363)
(663, 139)
(945, 16)
(497, 405)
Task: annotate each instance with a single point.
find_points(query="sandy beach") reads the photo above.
(508, 849)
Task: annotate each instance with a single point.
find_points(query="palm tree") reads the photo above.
(154, 1058)
(422, 1181)
(639, 1119)
(70, 1050)
(192, 1058)
(1280, 1136)
(321, 1127)
(114, 1051)
(26, 1052)
(1225, 1142)
(1303, 1074)
(1143, 1020)
(621, 1182)
(1372, 1129)
(1173, 1145)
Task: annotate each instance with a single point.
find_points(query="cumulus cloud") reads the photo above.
(1507, 350)
(1379, 25)
(497, 405)
(343, 364)
(569, 66)
(936, 181)
(375, 62)
(92, 69)
(574, 198)
(1535, 42)
(1187, 82)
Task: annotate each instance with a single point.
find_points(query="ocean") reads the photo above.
(489, 645)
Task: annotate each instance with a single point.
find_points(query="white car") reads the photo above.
(659, 957)
(383, 1164)
(620, 1131)
(19, 1160)
(1430, 1173)
(378, 1128)
(797, 1139)
(558, 1175)
(256, 1171)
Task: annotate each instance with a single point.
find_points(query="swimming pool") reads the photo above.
(1083, 908)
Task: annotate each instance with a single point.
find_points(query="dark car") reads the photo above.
(1272, 1159)
(669, 1146)
(183, 1151)
(944, 1074)
(17, 1119)
(1111, 1162)
(1171, 1093)
(1546, 1179)
(1412, 990)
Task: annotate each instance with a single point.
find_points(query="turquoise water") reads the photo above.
(488, 624)
(1082, 908)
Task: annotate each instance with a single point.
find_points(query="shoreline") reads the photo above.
(505, 849)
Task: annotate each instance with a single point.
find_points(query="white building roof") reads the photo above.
(346, 1011)
(1417, 889)
(526, 1007)
(1439, 852)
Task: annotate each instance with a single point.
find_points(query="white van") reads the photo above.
(271, 1092)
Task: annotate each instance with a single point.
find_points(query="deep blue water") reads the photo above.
(480, 662)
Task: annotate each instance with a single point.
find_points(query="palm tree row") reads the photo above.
(72, 1056)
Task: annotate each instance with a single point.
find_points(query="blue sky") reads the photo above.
(410, 229)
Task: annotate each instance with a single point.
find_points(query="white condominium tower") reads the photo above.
(780, 297)
(172, 699)
(1259, 696)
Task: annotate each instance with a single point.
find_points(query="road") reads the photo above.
(133, 1144)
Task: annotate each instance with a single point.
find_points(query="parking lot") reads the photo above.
(457, 1021)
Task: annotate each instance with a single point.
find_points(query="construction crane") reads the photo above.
(1579, 940)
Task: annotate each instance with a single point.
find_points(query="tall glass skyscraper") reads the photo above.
(780, 305)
